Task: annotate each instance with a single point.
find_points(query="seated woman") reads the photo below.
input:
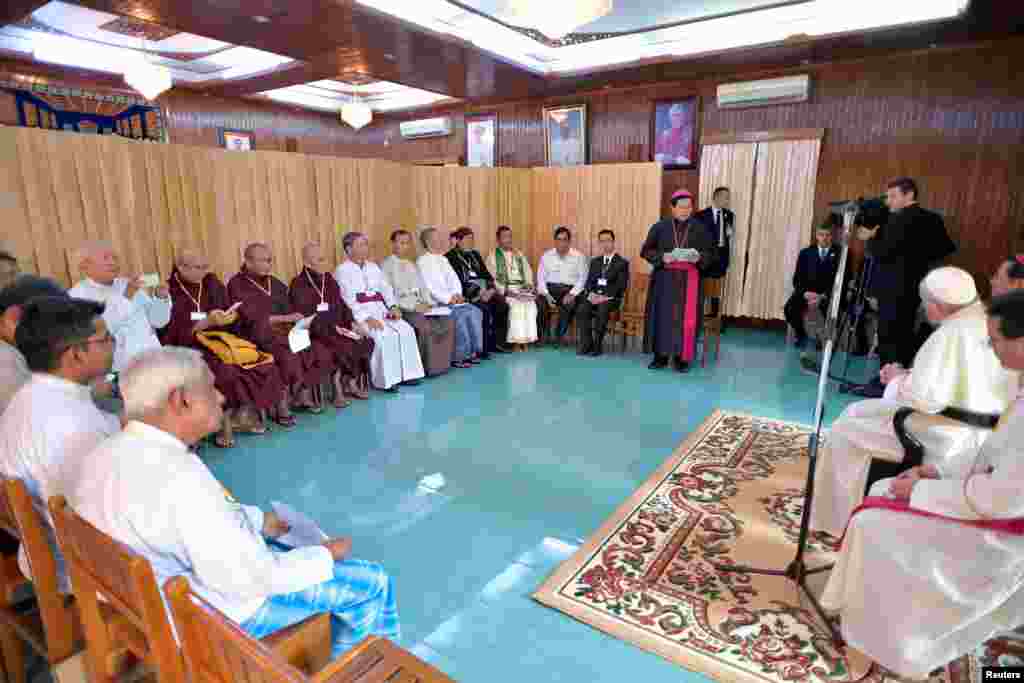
(514, 280)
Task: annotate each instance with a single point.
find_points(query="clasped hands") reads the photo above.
(598, 299)
(135, 284)
(275, 527)
(457, 299)
(903, 486)
(812, 298)
(566, 300)
(865, 234)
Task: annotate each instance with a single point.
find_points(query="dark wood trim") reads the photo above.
(13, 11)
(728, 137)
(438, 161)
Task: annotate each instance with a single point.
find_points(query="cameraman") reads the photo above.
(904, 249)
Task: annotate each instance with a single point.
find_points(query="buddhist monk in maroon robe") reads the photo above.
(267, 317)
(314, 291)
(199, 302)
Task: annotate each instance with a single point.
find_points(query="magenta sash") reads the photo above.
(689, 307)
(364, 298)
(1005, 526)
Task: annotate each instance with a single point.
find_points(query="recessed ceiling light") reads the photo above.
(390, 57)
(260, 19)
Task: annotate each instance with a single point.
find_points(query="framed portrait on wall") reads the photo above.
(482, 140)
(237, 140)
(674, 133)
(565, 135)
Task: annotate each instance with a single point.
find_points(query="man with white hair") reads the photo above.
(133, 309)
(930, 564)
(145, 489)
(955, 368)
(396, 354)
(52, 424)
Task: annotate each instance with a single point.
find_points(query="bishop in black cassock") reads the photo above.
(674, 305)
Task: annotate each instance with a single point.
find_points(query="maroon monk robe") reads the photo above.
(352, 357)
(261, 298)
(260, 387)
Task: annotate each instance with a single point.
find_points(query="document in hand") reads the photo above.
(439, 311)
(298, 337)
(304, 531)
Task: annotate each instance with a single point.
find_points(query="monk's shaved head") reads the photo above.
(190, 256)
(313, 257)
(253, 248)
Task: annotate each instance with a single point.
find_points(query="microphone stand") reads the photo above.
(797, 571)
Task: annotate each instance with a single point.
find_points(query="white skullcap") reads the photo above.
(949, 285)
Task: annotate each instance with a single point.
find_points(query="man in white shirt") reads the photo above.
(132, 313)
(435, 331)
(14, 370)
(930, 565)
(396, 355)
(955, 368)
(561, 277)
(145, 489)
(444, 288)
(52, 424)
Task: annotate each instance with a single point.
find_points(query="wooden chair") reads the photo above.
(218, 651)
(615, 317)
(629, 321)
(51, 628)
(712, 317)
(118, 599)
(122, 611)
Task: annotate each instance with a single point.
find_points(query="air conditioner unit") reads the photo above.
(426, 128)
(761, 93)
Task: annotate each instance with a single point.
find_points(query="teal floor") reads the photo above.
(472, 487)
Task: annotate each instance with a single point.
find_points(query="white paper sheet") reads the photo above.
(298, 337)
(439, 311)
(304, 531)
(150, 280)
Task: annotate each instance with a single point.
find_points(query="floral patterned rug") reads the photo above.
(731, 493)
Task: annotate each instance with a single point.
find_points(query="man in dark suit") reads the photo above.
(911, 242)
(607, 280)
(721, 221)
(815, 274)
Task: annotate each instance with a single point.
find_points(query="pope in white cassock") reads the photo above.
(132, 313)
(396, 356)
(955, 368)
(931, 566)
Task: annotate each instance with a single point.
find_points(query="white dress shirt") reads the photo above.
(14, 373)
(145, 489)
(405, 280)
(441, 280)
(49, 428)
(131, 322)
(553, 269)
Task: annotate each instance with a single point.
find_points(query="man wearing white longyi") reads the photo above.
(955, 368)
(930, 565)
(396, 355)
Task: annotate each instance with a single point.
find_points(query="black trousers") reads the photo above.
(897, 329)
(592, 322)
(495, 321)
(794, 310)
(565, 313)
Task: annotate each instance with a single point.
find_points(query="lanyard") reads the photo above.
(199, 307)
(323, 284)
(268, 290)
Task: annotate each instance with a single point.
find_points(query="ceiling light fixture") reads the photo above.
(260, 19)
(149, 79)
(557, 19)
(356, 113)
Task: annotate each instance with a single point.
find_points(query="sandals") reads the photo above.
(286, 421)
(220, 441)
(462, 364)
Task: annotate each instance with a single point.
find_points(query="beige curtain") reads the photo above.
(782, 213)
(58, 190)
(731, 166)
